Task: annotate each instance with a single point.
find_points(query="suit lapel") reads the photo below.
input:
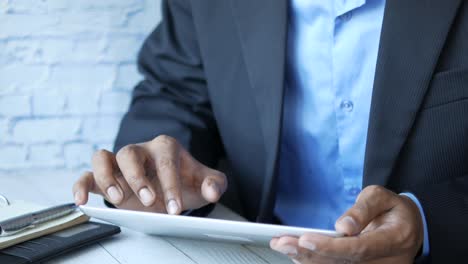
(413, 35)
(262, 26)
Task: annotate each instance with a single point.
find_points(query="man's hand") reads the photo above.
(158, 176)
(382, 227)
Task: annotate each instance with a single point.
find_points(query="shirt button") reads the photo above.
(347, 105)
(354, 191)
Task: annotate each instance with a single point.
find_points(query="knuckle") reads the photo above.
(165, 140)
(100, 154)
(166, 163)
(126, 151)
(304, 256)
(405, 236)
(339, 261)
(357, 253)
(134, 180)
(77, 186)
(374, 190)
(361, 209)
(86, 181)
(348, 261)
(86, 174)
(104, 173)
(85, 177)
(401, 238)
(171, 192)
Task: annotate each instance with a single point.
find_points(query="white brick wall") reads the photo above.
(66, 72)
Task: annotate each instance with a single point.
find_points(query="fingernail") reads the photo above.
(214, 187)
(114, 194)
(296, 261)
(146, 196)
(308, 245)
(352, 225)
(172, 207)
(288, 250)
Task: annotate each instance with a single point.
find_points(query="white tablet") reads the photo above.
(198, 227)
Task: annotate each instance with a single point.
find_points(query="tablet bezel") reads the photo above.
(199, 227)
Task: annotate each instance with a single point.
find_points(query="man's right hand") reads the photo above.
(157, 176)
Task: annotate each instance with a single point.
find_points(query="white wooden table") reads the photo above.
(130, 246)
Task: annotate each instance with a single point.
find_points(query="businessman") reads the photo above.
(349, 115)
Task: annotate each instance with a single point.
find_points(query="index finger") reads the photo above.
(168, 169)
(131, 160)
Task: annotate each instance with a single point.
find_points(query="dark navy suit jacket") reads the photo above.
(214, 80)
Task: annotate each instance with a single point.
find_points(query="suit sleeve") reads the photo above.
(446, 209)
(172, 99)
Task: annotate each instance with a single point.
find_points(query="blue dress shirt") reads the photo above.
(331, 63)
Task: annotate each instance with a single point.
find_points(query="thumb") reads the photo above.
(214, 185)
(371, 202)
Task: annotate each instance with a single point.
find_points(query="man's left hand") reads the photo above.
(382, 227)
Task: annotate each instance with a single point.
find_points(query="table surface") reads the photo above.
(131, 246)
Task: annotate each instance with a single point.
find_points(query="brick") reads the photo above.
(144, 22)
(15, 105)
(72, 50)
(122, 49)
(87, 50)
(56, 5)
(46, 130)
(115, 102)
(4, 59)
(66, 77)
(106, 4)
(101, 129)
(35, 7)
(21, 7)
(82, 100)
(78, 155)
(48, 103)
(18, 77)
(3, 6)
(4, 130)
(46, 155)
(127, 77)
(12, 156)
(25, 25)
(20, 50)
(72, 23)
(54, 50)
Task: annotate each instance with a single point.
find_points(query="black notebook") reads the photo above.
(49, 246)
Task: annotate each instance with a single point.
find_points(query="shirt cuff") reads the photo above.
(425, 248)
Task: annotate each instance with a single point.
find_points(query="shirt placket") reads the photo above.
(344, 104)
